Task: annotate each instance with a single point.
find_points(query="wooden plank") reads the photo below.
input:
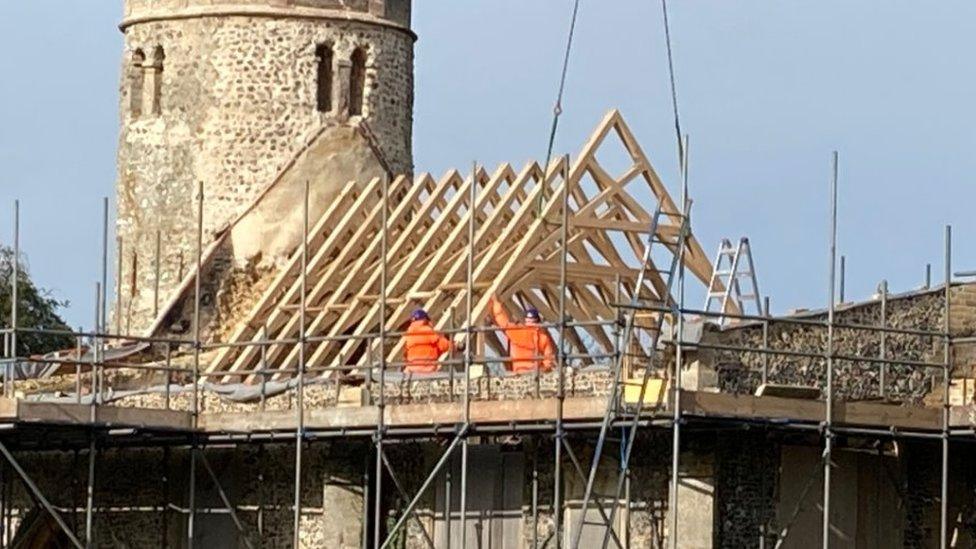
(80, 414)
(788, 391)
(775, 408)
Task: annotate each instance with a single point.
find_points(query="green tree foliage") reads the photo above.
(36, 309)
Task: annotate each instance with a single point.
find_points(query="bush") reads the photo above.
(36, 308)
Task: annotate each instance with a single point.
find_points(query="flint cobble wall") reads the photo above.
(139, 495)
(740, 372)
(237, 101)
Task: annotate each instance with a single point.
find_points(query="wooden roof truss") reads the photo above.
(517, 252)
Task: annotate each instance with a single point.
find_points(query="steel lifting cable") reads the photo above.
(674, 87)
(557, 110)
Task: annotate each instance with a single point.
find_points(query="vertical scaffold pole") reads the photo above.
(843, 279)
(79, 351)
(381, 419)
(118, 284)
(468, 355)
(300, 400)
(946, 379)
(197, 288)
(4, 502)
(14, 303)
(95, 343)
(364, 543)
(679, 355)
(561, 364)
(883, 347)
(102, 325)
(828, 420)
(90, 495)
(93, 414)
(157, 267)
(765, 356)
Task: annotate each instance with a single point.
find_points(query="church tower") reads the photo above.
(232, 94)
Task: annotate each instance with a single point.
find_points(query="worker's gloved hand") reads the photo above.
(460, 342)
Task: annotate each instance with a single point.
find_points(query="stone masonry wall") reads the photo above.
(141, 495)
(746, 467)
(741, 372)
(237, 100)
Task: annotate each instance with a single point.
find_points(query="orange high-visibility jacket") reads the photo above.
(423, 347)
(526, 342)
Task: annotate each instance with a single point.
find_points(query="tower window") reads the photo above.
(324, 58)
(136, 78)
(357, 82)
(154, 80)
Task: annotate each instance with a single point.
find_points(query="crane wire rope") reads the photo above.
(557, 110)
(674, 87)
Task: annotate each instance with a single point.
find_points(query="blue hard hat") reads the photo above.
(532, 314)
(419, 314)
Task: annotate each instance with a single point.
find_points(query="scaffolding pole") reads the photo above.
(157, 267)
(468, 354)
(408, 512)
(381, 407)
(300, 401)
(829, 408)
(118, 284)
(561, 364)
(403, 493)
(197, 347)
(765, 356)
(883, 346)
(363, 543)
(14, 304)
(40, 497)
(92, 415)
(610, 412)
(226, 500)
(946, 407)
(679, 352)
(102, 327)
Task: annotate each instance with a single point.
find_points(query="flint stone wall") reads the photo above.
(740, 372)
(320, 394)
(237, 103)
(139, 494)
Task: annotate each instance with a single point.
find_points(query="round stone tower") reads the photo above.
(229, 94)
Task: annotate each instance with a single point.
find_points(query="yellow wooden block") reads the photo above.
(655, 394)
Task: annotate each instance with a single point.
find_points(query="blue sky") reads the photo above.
(767, 90)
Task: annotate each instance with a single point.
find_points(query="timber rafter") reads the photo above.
(516, 249)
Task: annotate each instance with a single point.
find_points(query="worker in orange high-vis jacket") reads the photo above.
(424, 345)
(527, 341)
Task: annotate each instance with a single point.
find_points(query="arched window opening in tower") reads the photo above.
(136, 77)
(154, 76)
(324, 57)
(357, 82)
